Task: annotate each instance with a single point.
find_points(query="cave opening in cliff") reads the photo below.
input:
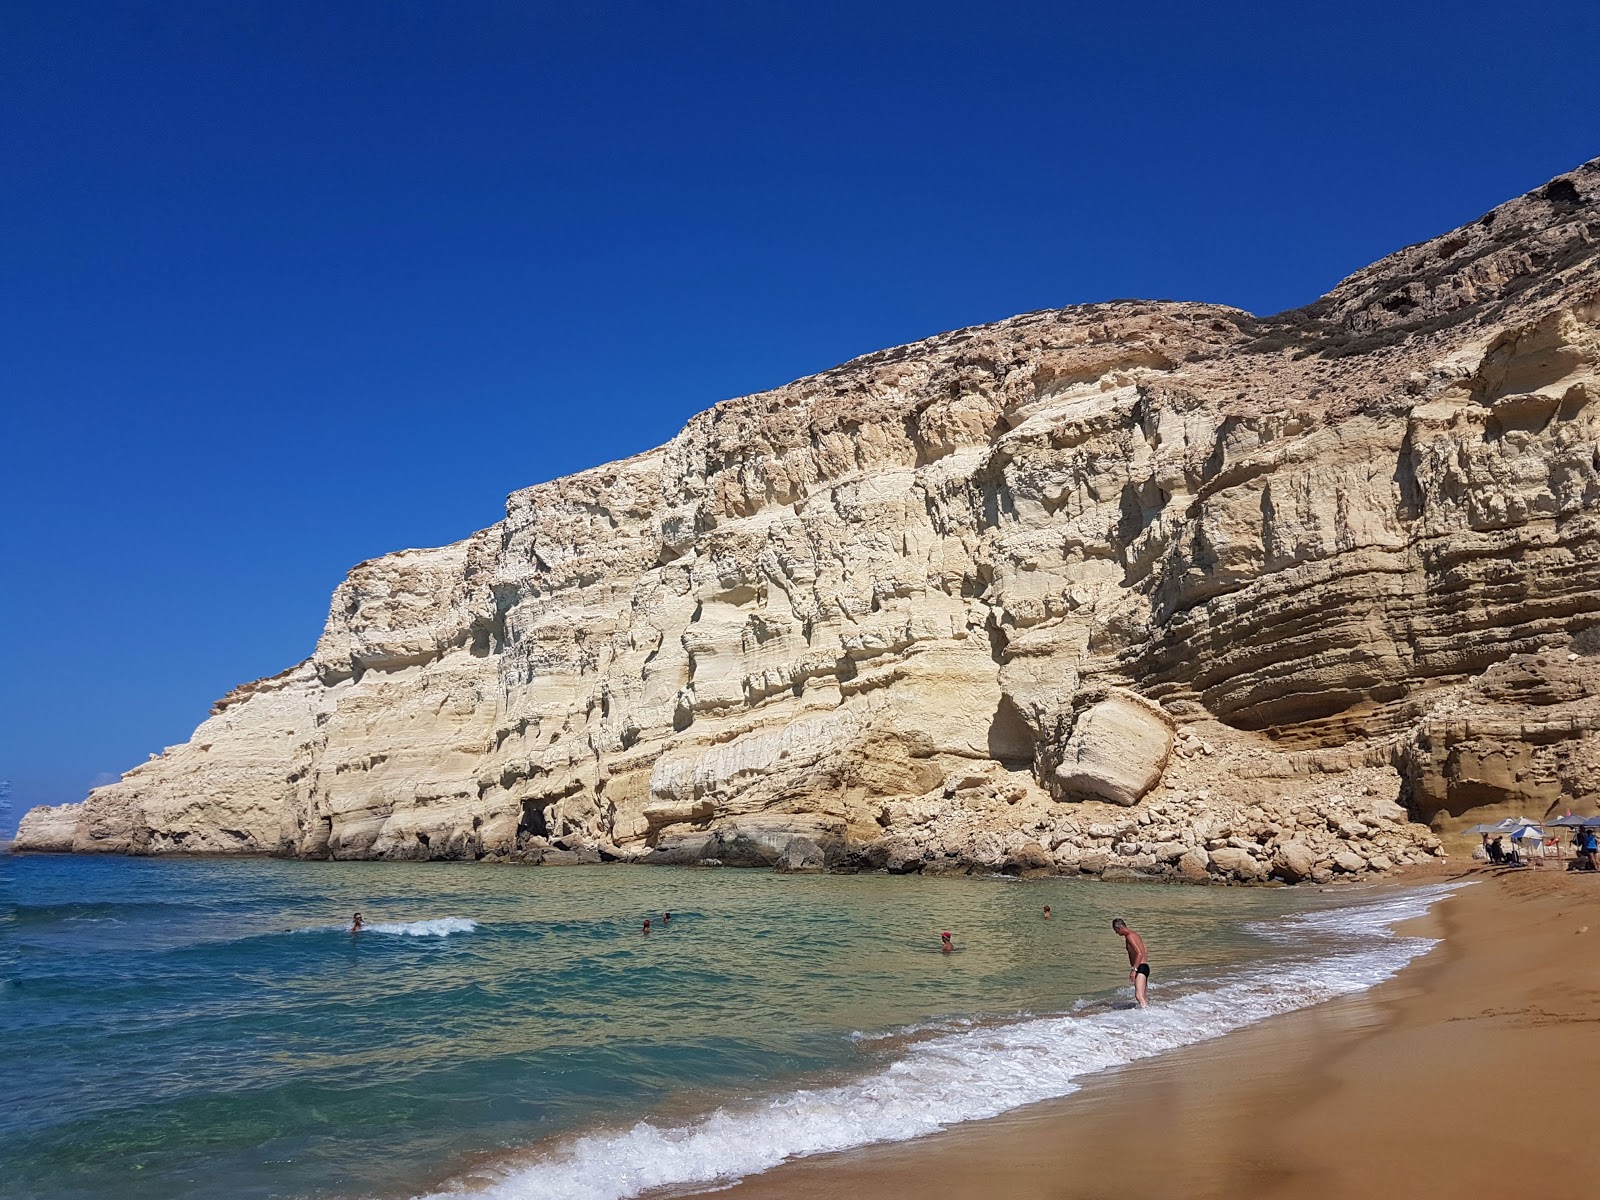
(534, 822)
(1011, 740)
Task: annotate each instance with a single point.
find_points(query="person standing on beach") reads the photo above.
(1138, 961)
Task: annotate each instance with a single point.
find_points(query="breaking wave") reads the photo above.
(435, 927)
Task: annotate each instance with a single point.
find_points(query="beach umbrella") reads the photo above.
(1512, 824)
(1571, 820)
(1480, 829)
(1528, 833)
(1592, 823)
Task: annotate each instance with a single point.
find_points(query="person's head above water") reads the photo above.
(1047, 910)
(647, 924)
(1120, 925)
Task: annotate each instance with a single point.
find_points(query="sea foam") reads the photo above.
(969, 1074)
(436, 927)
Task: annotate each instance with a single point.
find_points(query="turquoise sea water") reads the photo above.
(209, 1028)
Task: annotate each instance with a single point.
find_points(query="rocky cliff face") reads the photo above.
(1143, 587)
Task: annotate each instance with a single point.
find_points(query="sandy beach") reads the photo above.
(1468, 1075)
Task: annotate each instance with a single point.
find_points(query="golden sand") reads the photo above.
(1473, 1075)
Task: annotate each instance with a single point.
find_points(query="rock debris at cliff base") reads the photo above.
(1135, 589)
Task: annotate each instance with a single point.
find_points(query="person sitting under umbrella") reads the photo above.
(1529, 838)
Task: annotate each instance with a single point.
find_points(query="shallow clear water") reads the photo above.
(209, 1028)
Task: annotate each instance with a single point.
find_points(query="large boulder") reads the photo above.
(582, 856)
(758, 840)
(1093, 862)
(678, 848)
(1349, 862)
(801, 856)
(1192, 867)
(1294, 862)
(1240, 864)
(1117, 751)
(1030, 859)
(901, 856)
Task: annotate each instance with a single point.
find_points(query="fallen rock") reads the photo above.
(569, 858)
(1240, 864)
(1118, 749)
(1349, 862)
(1093, 863)
(1030, 858)
(801, 855)
(902, 858)
(760, 841)
(1193, 867)
(1294, 862)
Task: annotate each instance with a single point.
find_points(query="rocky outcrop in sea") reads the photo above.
(1136, 589)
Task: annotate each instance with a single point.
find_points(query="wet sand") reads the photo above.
(1468, 1076)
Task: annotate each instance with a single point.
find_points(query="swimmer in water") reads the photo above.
(647, 925)
(357, 924)
(944, 944)
(666, 919)
(1046, 912)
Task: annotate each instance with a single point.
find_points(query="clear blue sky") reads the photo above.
(288, 285)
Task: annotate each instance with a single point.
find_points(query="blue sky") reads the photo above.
(288, 285)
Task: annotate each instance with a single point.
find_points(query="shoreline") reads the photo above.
(1408, 1086)
(1408, 875)
(958, 1078)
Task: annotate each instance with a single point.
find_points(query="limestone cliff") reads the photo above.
(1162, 588)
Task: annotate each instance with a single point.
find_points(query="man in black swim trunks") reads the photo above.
(1138, 961)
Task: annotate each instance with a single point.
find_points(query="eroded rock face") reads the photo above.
(1147, 589)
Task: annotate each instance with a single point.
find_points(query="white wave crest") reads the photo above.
(438, 927)
(961, 1076)
(1368, 919)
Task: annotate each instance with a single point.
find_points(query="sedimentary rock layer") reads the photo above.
(1153, 587)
